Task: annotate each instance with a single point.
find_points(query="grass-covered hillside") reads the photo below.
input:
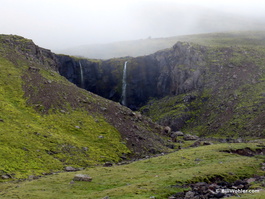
(162, 177)
(47, 123)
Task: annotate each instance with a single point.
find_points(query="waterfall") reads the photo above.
(81, 75)
(124, 85)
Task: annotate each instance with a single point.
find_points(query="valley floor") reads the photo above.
(158, 177)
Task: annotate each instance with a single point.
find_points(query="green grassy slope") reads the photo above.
(47, 123)
(32, 143)
(144, 179)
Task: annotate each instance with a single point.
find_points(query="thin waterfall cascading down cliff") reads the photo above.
(81, 75)
(124, 85)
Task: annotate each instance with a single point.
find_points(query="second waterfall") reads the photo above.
(124, 85)
(81, 75)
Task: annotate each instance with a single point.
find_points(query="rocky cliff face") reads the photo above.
(169, 72)
(100, 77)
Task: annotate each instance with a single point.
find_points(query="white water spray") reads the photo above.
(81, 75)
(124, 85)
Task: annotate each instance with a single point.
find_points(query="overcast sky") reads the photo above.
(58, 24)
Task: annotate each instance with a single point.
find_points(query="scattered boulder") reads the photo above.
(108, 164)
(196, 144)
(190, 137)
(176, 134)
(82, 177)
(189, 195)
(33, 69)
(167, 130)
(179, 133)
(6, 176)
(70, 169)
(207, 143)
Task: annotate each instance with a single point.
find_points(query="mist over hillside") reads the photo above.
(174, 23)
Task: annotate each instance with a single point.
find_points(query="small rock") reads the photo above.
(82, 177)
(207, 143)
(179, 133)
(101, 136)
(167, 129)
(103, 108)
(31, 177)
(176, 134)
(250, 180)
(108, 164)
(70, 169)
(189, 195)
(72, 182)
(1, 120)
(190, 137)
(106, 197)
(5, 176)
(196, 144)
(33, 69)
(78, 127)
